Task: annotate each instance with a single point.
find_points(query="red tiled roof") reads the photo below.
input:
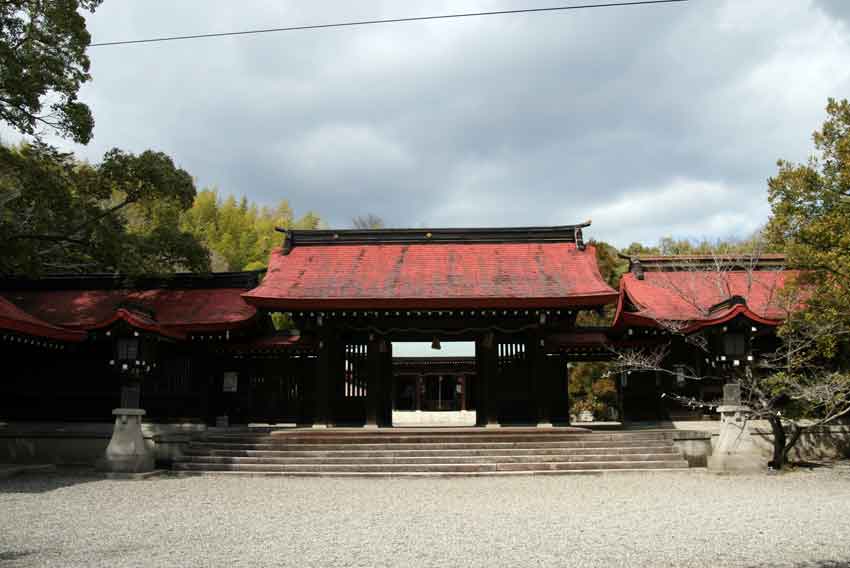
(14, 319)
(688, 296)
(438, 276)
(174, 311)
(140, 321)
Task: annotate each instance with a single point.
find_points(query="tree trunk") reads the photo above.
(779, 451)
(795, 435)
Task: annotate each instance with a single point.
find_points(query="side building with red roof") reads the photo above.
(712, 312)
(75, 347)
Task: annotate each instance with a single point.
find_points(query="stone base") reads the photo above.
(127, 452)
(129, 464)
(319, 426)
(134, 476)
(735, 451)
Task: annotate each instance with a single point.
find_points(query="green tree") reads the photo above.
(611, 265)
(43, 63)
(811, 216)
(122, 215)
(611, 268)
(672, 246)
(591, 388)
(238, 234)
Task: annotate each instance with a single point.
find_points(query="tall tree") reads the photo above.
(43, 63)
(811, 217)
(122, 215)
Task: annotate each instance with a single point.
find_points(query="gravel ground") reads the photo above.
(642, 519)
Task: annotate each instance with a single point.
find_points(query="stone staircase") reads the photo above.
(421, 452)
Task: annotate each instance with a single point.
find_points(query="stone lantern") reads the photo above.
(134, 355)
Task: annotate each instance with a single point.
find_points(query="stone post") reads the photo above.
(127, 452)
(735, 451)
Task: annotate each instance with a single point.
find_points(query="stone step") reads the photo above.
(432, 467)
(427, 474)
(484, 436)
(480, 445)
(433, 459)
(465, 452)
(394, 452)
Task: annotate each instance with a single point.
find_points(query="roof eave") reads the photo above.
(302, 304)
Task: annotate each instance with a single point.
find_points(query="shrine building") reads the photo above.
(309, 342)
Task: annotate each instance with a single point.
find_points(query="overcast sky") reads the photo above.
(652, 121)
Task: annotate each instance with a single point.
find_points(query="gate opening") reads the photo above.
(433, 387)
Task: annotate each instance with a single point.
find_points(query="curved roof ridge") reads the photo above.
(16, 320)
(139, 320)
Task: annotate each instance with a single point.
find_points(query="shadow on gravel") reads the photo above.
(42, 483)
(812, 465)
(826, 465)
(12, 555)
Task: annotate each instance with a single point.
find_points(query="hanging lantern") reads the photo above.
(133, 353)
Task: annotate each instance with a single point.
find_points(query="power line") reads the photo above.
(388, 21)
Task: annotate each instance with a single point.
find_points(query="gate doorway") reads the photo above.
(433, 387)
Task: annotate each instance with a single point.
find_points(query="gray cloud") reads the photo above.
(654, 121)
(835, 8)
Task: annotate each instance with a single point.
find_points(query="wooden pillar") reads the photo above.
(393, 394)
(387, 380)
(620, 408)
(325, 369)
(419, 387)
(488, 382)
(373, 384)
(462, 382)
(566, 386)
(541, 378)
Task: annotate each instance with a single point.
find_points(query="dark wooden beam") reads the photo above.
(557, 234)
